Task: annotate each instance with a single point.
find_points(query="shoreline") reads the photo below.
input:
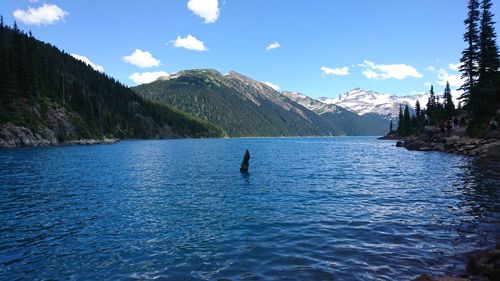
(482, 265)
(13, 136)
(454, 142)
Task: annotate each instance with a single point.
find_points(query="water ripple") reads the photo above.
(310, 209)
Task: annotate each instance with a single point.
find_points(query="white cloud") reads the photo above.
(454, 79)
(428, 84)
(430, 68)
(335, 71)
(43, 15)
(146, 77)
(274, 86)
(388, 71)
(206, 9)
(88, 62)
(34, 1)
(455, 66)
(189, 42)
(141, 59)
(370, 74)
(273, 45)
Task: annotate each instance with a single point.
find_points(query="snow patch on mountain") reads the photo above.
(363, 102)
(310, 103)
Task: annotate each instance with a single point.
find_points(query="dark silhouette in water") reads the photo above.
(245, 163)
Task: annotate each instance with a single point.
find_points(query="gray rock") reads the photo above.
(493, 151)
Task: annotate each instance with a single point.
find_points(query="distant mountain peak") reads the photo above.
(364, 101)
(310, 103)
(235, 75)
(191, 72)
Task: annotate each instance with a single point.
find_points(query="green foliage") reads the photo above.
(470, 56)
(36, 75)
(483, 60)
(400, 119)
(489, 60)
(240, 109)
(448, 105)
(435, 114)
(432, 107)
(406, 122)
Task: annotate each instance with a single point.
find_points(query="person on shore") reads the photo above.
(441, 127)
(463, 122)
(493, 125)
(448, 127)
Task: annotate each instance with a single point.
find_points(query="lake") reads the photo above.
(343, 208)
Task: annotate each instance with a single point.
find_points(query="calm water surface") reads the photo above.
(310, 209)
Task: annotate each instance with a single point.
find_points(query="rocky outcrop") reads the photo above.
(455, 142)
(390, 137)
(12, 136)
(54, 128)
(16, 136)
(482, 265)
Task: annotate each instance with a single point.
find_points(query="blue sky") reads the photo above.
(326, 47)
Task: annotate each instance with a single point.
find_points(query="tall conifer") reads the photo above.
(400, 120)
(449, 106)
(470, 57)
(489, 60)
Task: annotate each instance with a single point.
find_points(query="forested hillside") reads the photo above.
(238, 104)
(59, 98)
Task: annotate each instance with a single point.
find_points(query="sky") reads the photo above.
(321, 48)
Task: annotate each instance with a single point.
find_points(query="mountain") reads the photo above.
(369, 102)
(350, 122)
(48, 97)
(238, 104)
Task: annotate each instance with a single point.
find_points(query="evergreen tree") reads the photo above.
(418, 111)
(449, 106)
(30, 72)
(390, 128)
(400, 121)
(470, 59)
(431, 107)
(489, 60)
(482, 99)
(419, 117)
(406, 121)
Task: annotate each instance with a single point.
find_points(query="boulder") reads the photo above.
(12, 135)
(485, 263)
(492, 134)
(493, 151)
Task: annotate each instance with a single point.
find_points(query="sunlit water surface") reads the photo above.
(310, 209)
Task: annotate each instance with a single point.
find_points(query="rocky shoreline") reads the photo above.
(18, 136)
(457, 142)
(483, 265)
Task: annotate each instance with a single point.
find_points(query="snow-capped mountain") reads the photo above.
(346, 120)
(310, 103)
(363, 102)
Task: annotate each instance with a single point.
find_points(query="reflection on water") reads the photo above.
(326, 208)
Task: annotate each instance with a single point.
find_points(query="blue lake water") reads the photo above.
(310, 209)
